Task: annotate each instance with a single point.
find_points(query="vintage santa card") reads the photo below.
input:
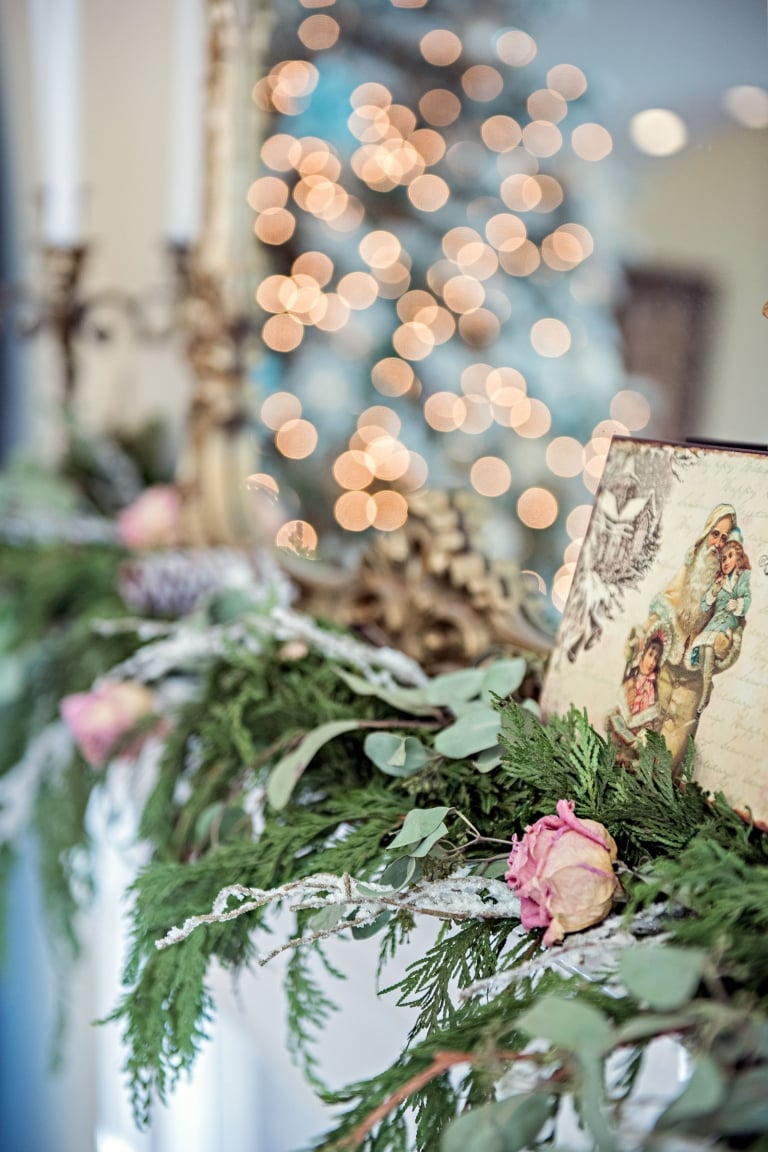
(666, 625)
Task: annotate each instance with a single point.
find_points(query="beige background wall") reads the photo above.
(704, 211)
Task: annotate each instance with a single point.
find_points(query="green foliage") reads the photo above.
(648, 811)
(400, 786)
(309, 1009)
(44, 586)
(165, 1020)
(720, 894)
(65, 870)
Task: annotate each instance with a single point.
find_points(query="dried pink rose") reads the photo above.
(98, 719)
(152, 520)
(562, 870)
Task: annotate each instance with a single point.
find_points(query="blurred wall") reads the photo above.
(703, 211)
(126, 49)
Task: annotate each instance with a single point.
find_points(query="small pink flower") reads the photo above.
(562, 870)
(98, 719)
(152, 521)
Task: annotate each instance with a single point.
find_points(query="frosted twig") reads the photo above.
(186, 648)
(458, 898)
(384, 666)
(138, 625)
(590, 954)
(43, 527)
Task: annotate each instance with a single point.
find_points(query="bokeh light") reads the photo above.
(390, 510)
(400, 234)
(577, 521)
(550, 337)
(278, 408)
(547, 104)
(561, 585)
(748, 105)
(297, 536)
(537, 508)
(658, 132)
(565, 456)
(482, 83)
(282, 333)
(296, 439)
(392, 376)
(318, 32)
(440, 47)
(355, 511)
(515, 47)
(490, 476)
(440, 107)
(631, 408)
(353, 469)
(568, 80)
(591, 141)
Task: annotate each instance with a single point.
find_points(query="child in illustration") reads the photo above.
(731, 596)
(637, 711)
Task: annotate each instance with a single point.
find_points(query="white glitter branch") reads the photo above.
(459, 898)
(592, 954)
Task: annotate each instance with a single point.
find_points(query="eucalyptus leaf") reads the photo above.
(205, 821)
(418, 823)
(503, 677)
(373, 890)
(473, 732)
(326, 918)
(401, 872)
(591, 1102)
(396, 755)
(428, 842)
(228, 605)
(663, 976)
(493, 871)
(746, 1107)
(233, 821)
(568, 1024)
(455, 687)
(502, 1126)
(489, 759)
(703, 1093)
(412, 700)
(652, 1024)
(364, 931)
(287, 772)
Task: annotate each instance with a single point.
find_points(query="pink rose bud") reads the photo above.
(562, 870)
(98, 719)
(152, 521)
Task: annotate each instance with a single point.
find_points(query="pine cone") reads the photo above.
(170, 584)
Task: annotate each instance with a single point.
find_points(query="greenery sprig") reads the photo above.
(291, 760)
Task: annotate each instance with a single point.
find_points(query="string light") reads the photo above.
(658, 132)
(516, 48)
(440, 47)
(537, 508)
(512, 229)
(490, 476)
(297, 536)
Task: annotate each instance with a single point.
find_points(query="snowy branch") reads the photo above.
(459, 898)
